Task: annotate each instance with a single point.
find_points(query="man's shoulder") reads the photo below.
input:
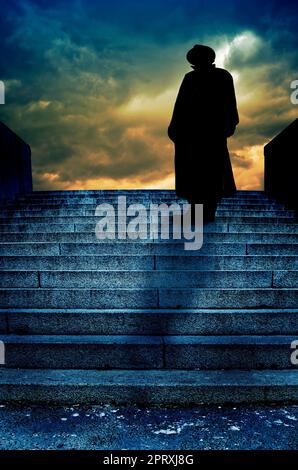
(223, 73)
(189, 74)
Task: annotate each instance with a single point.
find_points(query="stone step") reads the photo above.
(149, 262)
(221, 262)
(164, 248)
(84, 352)
(147, 352)
(208, 228)
(89, 202)
(94, 201)
(78, 201)
(80, 212)
(98, 262)
(228, 298)
(163, 387)
(130, 195)
(254, 228)
(256, 219)
(252, 205)
(82, 204)
(138, 191)
(86, 219)
(60, 228)
(36, 249)
(141, 195)
(114, 199)
(227, 352)
(116, 247)
(272, 249)
(149, 322)
(285, 279)
(148, 279)
(111, 247)
(149, 298)
(252, 213)
(77, 211)
(271, 211)
(90, 237)
(39, 228)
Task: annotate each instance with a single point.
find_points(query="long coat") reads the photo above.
(205, 114)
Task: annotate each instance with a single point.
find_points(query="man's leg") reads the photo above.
(209, 209)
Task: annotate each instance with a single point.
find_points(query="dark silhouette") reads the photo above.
(15, 166)
(280, 161)
(204, 116)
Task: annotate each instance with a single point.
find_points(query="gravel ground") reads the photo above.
(132, 427)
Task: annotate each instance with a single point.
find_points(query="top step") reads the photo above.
(126, 191)
(140, 195)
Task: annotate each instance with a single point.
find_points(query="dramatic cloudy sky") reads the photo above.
(90, 85)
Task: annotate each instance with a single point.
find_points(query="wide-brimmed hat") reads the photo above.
(201, 54)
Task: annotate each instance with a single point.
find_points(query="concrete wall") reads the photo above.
(15, 165)
(281, 159)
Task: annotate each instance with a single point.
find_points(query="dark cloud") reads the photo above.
(240, 161)
(90, 85)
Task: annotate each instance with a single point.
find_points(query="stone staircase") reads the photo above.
(143, 321)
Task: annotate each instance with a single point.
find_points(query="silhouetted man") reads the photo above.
(205, 114)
